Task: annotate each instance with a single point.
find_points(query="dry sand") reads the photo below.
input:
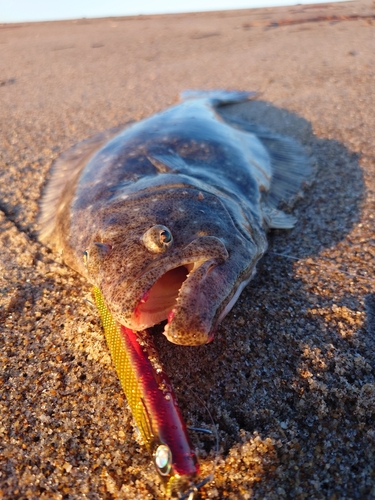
(290, 378)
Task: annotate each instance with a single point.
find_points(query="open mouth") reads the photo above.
(180, 288)
(159, 302)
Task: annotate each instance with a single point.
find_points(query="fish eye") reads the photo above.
(85, 257)
(157, 239)
(94, 256)
(163, 459)
(165, 236)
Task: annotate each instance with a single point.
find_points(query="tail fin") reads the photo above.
(218, 97)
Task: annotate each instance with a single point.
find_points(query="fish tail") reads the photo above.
(218, 97)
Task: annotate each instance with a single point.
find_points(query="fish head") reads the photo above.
(175, 255)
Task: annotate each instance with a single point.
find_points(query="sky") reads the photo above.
(48, 10)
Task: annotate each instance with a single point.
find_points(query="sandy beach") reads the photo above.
(290, 377)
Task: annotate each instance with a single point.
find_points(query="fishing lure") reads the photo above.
(153, 404)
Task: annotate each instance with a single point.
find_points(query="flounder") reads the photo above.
(168, 216)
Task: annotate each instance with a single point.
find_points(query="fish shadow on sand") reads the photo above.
(284, 361)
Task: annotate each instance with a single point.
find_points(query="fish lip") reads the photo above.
(186, 291)
(181, 257)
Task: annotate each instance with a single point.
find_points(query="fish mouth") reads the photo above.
(160, 302)
(181, 288)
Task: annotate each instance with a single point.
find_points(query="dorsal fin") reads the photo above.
(64, 170)
(291, 167)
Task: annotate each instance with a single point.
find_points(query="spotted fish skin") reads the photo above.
(213, 185)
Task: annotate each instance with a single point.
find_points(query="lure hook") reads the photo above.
(189, 494)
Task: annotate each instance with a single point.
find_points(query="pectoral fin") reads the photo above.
(277, 219)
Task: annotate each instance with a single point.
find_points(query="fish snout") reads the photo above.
(208, 247)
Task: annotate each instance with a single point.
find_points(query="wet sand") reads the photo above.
(290, 377)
